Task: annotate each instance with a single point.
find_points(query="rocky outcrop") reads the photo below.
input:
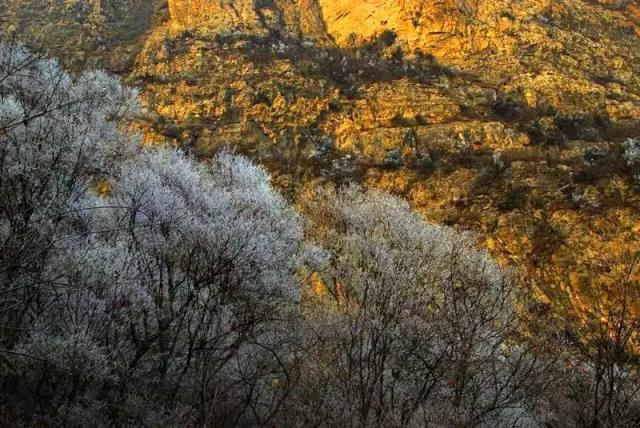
(572, 55)
(297, 18)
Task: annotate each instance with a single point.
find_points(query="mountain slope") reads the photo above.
(503, 117)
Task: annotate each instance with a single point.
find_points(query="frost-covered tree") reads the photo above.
(238, 254)
(58, 136)
(164, 298)
(631, 155)
(416, 327)
(184, 287)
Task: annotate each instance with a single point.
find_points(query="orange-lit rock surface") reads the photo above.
(215, 14)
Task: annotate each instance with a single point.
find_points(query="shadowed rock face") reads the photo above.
(82, 33)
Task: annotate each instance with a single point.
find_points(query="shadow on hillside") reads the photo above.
(379, 60)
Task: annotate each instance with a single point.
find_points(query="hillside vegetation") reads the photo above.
(141, 287)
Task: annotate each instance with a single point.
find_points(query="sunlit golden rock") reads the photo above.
(421, 24)
(214, 14)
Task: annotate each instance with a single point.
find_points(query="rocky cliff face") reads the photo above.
(566, 54)
(569, 54)
(481, 113)
(501, 117)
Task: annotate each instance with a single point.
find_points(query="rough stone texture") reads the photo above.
(293, 17)
(214, 14)
(421, 24)
(570, 54)
(83, 33)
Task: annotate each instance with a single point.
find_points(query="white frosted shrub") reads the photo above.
(631, 155)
